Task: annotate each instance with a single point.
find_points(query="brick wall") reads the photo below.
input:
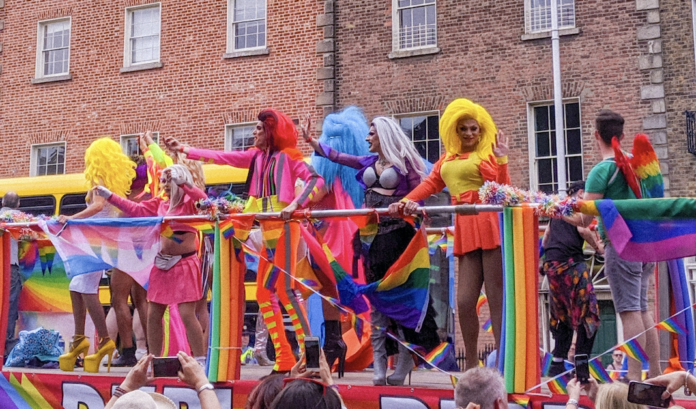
(192, 97)
(483, 58)
(680, 91)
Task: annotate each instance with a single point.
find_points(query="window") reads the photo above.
(130, 146)
(416, 24)
(423, 131)
(247, 24)
(36, 205)
(48, 159)
(53, 48)
(72, 204)
(543, 146)
(142, 35)
(538, 15)
(239, 137)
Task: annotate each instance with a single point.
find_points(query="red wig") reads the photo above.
(280, 132)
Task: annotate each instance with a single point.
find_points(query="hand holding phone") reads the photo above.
(582, 368)
(312, 352)
(166, 367)
(647, 394)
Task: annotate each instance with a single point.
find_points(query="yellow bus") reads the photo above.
(65, 194)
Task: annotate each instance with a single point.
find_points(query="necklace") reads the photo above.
(383, 162)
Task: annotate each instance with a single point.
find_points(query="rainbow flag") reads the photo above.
(487, 326)
(88, 245)
(482, 299)
(671, 325)
(559, 385)
(436, 241)
(28, 254)
(546, 363)
(521, 400)
(598, 372)
(47, 254)
(633, 349)
(648, 229)
(437, 355)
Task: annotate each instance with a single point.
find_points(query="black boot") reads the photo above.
(127, 358)
(556, 368)
(334, 346)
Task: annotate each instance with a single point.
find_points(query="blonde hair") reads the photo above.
(615, 396)
(193, 166)
(176, 194)
(462, 108)
(108, 166)
(397, 148)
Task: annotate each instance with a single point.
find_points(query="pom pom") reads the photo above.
(504, 195)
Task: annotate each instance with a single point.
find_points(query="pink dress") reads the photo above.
(181, 283)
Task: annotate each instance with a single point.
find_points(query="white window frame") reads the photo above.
(531, 137)
(426, 114)
(34, 160)
(231, 25)
(564, 21)
(41, 26)
(127, 50)
(123, 139)
(396, 23)
(228, 136)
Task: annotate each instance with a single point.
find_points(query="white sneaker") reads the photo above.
(139, 353)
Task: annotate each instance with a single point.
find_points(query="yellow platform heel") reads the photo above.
(78, 346)
(92, 361)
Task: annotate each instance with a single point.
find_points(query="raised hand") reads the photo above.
(173, 144)
(191, 373)
(500, 147)
(307, 128)
(102, 191)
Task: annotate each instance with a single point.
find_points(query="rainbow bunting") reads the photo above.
(454, 380)
(272, 277)
(482, 299)
(559, 385)
(671, 325)
(437, 355)
(487, 326)
(633, 349)
(521, 400)
(598, 372)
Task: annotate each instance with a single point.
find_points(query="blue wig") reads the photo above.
(345, 132)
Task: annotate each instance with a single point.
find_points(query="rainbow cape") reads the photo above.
(89, 245)
(648, 229)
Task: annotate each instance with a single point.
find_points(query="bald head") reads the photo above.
(11, 200)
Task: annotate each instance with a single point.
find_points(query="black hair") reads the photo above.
(575, 187)
(304, 394)
(609, 124)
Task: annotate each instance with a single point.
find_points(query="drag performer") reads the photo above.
(343, 132)
(105, 164)
(386, 178)
(475, 153)
(274, 164)
(175, 277)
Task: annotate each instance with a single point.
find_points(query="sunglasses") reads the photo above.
(286, 381)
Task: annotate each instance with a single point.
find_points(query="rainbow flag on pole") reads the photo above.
(559, 385)
(437, 355)
(598, 372)
(482, 299)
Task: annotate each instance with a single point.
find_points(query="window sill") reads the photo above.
(53, 78)
(142, 67)
(547, 34)
(413, 53)
(246, 53)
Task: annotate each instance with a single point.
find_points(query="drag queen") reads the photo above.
(475, 153)
(175, 278)
(274, 166)
(394, 169)
(105, 164)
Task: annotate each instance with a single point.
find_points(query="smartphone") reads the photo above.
(582, 368)
(647, 394)
(166, 367)
(312, 352)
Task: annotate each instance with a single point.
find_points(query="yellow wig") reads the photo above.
(107, 165)
(464, 108)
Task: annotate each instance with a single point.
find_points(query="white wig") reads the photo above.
(397, 148)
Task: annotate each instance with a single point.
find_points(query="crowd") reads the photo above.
(379, 169)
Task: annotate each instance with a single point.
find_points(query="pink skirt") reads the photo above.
(179, 284)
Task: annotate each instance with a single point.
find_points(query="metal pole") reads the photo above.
(558, 100)
(319, 214)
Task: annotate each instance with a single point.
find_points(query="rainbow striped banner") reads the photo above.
(671, 325)
(598, 372)
(633, 349)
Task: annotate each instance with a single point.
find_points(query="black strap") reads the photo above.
(250, 175)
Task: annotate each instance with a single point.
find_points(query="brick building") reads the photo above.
(196, 70)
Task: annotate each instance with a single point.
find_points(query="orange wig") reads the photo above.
(281, 132)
